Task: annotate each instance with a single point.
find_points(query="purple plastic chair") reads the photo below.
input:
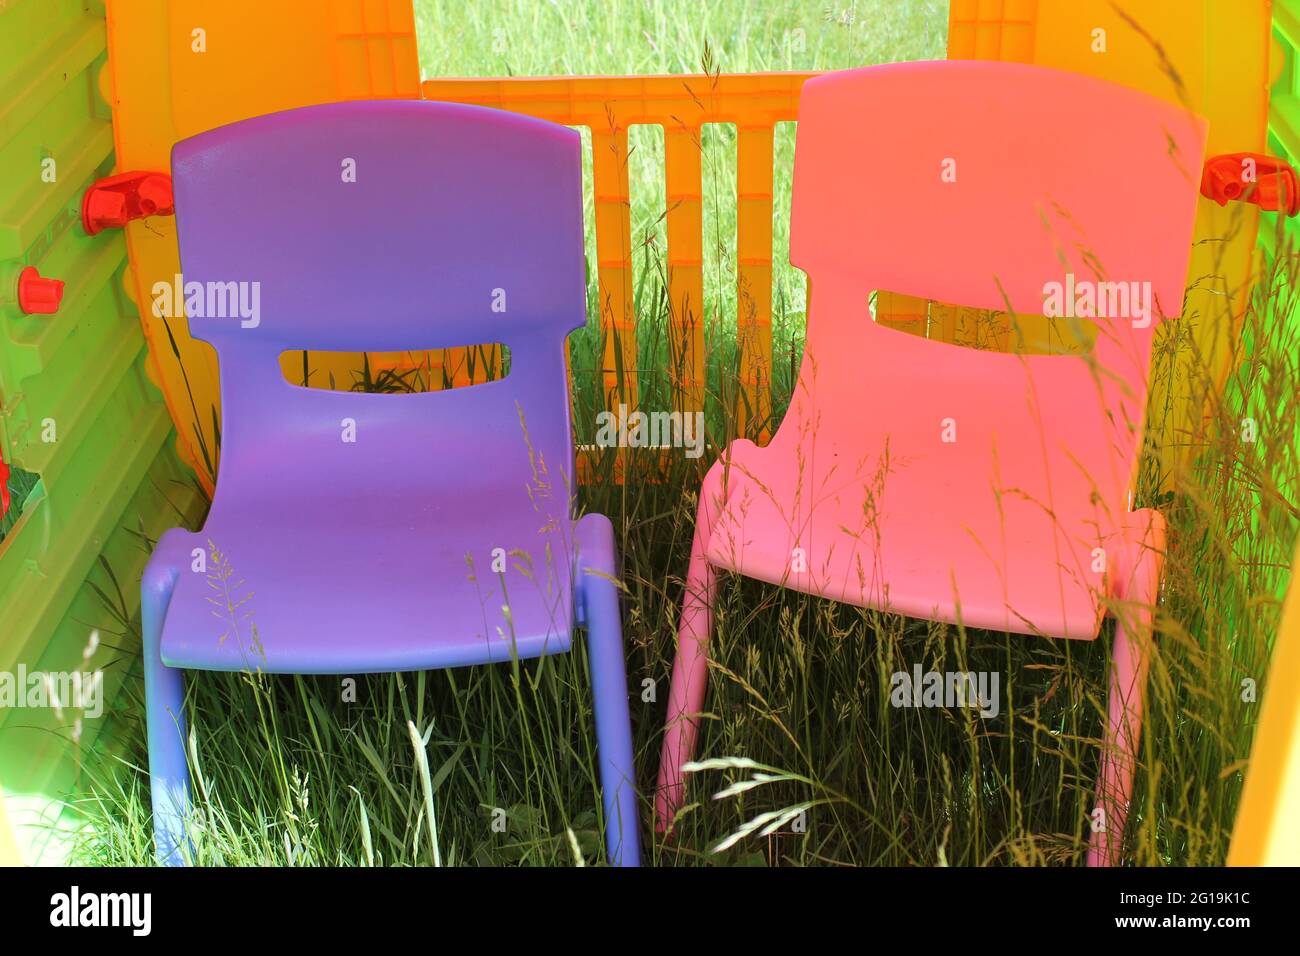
(356, 532)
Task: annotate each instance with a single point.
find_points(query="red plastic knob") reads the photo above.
(1274, 187)
(38, 295)
(103, 209)
(155, 194)
(113, 202)
(4, 488)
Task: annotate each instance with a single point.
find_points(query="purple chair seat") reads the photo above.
(414, 613)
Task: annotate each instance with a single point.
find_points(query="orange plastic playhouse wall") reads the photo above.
(181, 68)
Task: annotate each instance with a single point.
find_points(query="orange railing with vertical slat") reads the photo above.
(681, 105)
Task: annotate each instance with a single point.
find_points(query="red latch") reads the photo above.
(37, 294)
(115, 201)
(1267, 181)
(4, 488)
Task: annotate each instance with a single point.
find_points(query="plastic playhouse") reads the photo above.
(115, 138)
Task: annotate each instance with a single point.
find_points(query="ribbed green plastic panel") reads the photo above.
(76, 409)
(1284, 113)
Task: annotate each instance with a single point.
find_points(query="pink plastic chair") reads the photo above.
(980, 488)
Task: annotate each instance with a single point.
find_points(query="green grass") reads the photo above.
(299, 771)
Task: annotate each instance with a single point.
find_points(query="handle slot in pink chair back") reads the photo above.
(1012, 178)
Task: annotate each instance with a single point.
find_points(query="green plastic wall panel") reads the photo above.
(1284, 111)
(1280, 232)
(77, 409)
(42, 766)
(1277, 233)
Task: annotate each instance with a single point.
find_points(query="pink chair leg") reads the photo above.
(691, 666)
(1128, 679)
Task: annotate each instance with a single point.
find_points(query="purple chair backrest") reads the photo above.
(385, 226)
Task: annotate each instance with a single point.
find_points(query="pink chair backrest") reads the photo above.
(978, 184)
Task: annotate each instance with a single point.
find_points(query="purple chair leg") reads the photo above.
(598, 602)
(164, 691)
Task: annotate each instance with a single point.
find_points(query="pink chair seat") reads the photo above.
(914, 536)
